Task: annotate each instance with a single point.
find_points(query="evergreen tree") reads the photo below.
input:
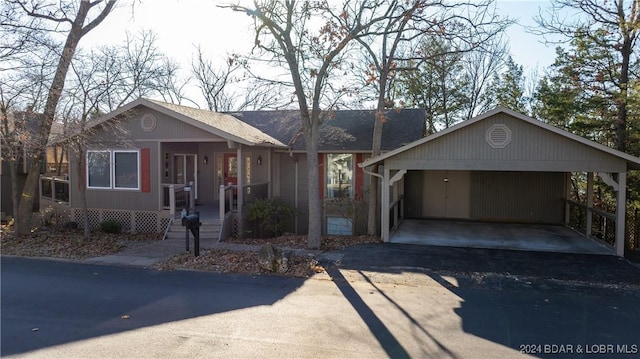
(437, 84)
(507, 89)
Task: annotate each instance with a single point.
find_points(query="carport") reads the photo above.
(500, 167)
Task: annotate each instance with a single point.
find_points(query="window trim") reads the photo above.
(112, 170)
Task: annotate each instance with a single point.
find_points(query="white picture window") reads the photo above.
(339, 178)
(113, 169)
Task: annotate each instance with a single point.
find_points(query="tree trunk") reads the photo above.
(376, 149)
(53, 97)
(13, 173)
(315, 208)
(621, 121)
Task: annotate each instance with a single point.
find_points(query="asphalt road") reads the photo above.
(59, 309)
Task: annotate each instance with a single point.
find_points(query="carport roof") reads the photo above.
(633, 163)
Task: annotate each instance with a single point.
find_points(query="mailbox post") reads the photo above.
(191, 222)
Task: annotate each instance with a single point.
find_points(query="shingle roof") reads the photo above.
(346, 130)
(218, 121)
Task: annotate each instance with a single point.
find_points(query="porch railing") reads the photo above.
(175, 198)
(229, 204)
(55, 189)
(251, 192)
(602, 224)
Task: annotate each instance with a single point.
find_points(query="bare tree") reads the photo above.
(613, 27)
(480, 67)
(75, 20)
(214, 82)
(22, 97)
(100, 82)
(13, 136)
(231, 87)
(90, 86)
(310, 40)
(392, 48)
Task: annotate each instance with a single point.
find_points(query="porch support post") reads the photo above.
(192, 197)
(395, 207)
(221, 202)
(589, 204)
(172, 201)
(269, 174)
(621, 209)
(240, 165)
(384, 207)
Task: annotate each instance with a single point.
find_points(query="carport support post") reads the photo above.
(384, 207)
(589, 203)
(621, 209)
(240, 173)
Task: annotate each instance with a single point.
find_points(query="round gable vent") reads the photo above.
(148, 122)
(498, 136)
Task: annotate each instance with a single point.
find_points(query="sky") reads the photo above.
(182, 25)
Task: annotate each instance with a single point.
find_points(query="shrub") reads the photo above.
(110, 227)
(271, 216)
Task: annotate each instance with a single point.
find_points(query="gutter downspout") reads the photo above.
(370, 173)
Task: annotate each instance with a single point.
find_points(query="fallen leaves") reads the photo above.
(69, 244)
(223, 261)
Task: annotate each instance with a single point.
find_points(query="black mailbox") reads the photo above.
(192, 223)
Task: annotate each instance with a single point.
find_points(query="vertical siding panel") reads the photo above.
(517, 196)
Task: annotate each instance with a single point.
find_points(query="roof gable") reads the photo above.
(345, 130)
(216, 123)
(533, 144)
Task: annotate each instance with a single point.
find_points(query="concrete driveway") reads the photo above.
(526, 237)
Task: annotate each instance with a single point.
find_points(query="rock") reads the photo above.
(273, 259)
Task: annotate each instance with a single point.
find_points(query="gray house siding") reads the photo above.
(121, 199)
(166, 128)
(531, 149)
(293, 190)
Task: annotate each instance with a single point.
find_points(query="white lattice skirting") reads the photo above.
(129, 221)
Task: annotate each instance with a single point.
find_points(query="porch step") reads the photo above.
(208, 230)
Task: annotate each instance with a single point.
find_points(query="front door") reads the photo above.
(185, 170)
(230, 168)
